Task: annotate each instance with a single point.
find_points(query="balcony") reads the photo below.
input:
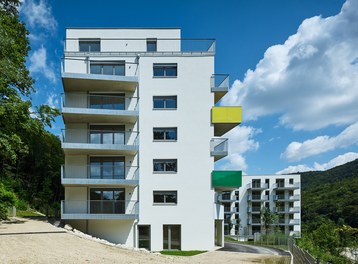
(99, 209)
(228, 198)
(132, 47)
(289, 222)
(79, 75)
(254, 221)
(219, 85)
(94, 108)
(287, 210)
(225, 118)
(254, 210)
(218, 148)
(258, 198)
(226, 180)
(99, 142)
(286, 198)
(99, 175)
(257, 186)
(286, 186)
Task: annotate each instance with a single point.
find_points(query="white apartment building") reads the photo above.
(141, 136)
(243, 206)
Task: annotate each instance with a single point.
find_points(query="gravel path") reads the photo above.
(34, 241)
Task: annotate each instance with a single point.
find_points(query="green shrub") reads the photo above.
(7, 199)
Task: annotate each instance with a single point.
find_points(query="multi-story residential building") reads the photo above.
(243, 206)
(142, 133)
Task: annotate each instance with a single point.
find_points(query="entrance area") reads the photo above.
(144, 236)
(171, 237)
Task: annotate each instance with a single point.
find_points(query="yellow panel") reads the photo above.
(226, 114)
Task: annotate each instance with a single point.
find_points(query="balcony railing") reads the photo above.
(219, 82)
(105, 172)
(286, 197)
(257, 197)
(111, 207)
(258, 186)
(254, 221)
(287, 210)
(135, 46)
(285, 185)
(95, 101)
(228, 197)
(254, 209)
(108, 137)
(219, 147)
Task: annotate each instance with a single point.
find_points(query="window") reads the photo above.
(90, 45)
(168, 134)
(152, 45)
(107, 201)
(107, 101)
(165, 70)
(144, 236)
(291, 181)
(164, 102)
(171, 237)
(111, 134)
(108, 68)
(167, 165)
(165, 197)
(107, 168)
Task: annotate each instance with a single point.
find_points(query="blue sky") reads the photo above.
(292, 64)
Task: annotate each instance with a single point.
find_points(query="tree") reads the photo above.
(268, 218)
(7, 199)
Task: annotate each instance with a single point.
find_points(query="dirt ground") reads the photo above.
(35, 241)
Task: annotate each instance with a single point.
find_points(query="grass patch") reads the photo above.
(27, 213)
(187, 253)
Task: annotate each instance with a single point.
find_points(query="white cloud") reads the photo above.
(296, 151)
(240, 141)
(339, 160)
(39, 64)
(53, 101)
(38, 15)
(310, 80)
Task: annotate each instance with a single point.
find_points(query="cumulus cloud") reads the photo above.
(52, 100)
(39, 64)
(339, 160)
(38, 15)
(240, 141)
(311, 80)
(296, 151)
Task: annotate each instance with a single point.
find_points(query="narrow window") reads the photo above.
(165, 165)
(152, 45)
(165, 69)
(291, 181)
(89, 45)
(167, 134)
(165, 197)
(164, 102)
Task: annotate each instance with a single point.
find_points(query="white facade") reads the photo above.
(123, 181)
(243, 207)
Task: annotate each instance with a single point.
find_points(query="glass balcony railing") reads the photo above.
(219, 82)
(97, 171)
(119, 207)
(257, 185)
(99, 101)
(113, 46)
(108, 137)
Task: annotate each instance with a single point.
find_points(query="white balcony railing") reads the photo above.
(286, 197)
(258, 186)
(286, 185)
(257, 197)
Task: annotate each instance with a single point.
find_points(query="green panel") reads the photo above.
(231, 179)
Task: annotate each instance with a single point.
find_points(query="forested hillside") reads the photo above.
(30, 156)
(330, 212)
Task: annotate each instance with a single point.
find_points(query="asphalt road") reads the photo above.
(236, 247)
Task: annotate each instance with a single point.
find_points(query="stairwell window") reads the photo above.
(165, 69)
(165, 197)
(165, 165)
(165, 134)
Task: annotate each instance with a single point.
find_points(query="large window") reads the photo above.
(107, 101)
(107, 168)
(165, 197)
(90, 45)
(164, 102)
(111, 134)
(117, 68)
(107, 201)
(165, 69)
(165, 165)
(168, 133)
(172, 237)
(144, 236)
(151, 45)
